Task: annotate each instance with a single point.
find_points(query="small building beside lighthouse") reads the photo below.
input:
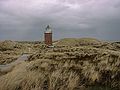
(48, 36)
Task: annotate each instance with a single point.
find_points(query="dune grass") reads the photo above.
(79, 67)
(75, 68)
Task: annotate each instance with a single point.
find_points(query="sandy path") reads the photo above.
(8, 67)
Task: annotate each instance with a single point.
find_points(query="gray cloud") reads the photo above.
(26, 19)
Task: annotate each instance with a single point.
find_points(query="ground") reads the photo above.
(73, 64)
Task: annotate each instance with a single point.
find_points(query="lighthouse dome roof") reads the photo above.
(48, 29)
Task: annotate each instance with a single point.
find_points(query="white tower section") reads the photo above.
(48, 29)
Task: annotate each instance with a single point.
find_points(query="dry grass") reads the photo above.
(91, 42)
(10, 50)
(65, 68)
(78, 42)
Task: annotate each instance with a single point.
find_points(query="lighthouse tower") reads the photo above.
(48, 36)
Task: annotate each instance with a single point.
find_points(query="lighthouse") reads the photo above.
(48, 36)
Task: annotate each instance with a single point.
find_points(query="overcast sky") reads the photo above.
(27, 19)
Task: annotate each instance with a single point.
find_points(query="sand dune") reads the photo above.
(73, 64)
